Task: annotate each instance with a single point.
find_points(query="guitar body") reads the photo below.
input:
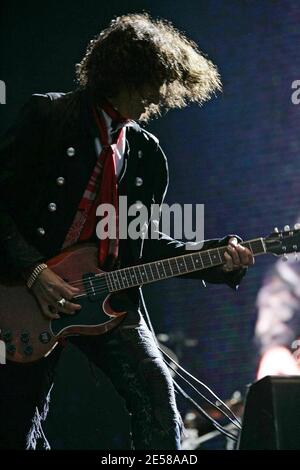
(29, 335)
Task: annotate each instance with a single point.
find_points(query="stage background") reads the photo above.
(238, 155)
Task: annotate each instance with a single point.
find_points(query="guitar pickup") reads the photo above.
(90, 286)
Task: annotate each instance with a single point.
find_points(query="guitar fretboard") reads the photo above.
(163, 269)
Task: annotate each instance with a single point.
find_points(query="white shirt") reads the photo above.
(118, 147)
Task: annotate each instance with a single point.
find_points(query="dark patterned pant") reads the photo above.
(128, 356)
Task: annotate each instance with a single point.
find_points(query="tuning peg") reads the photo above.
(297, 226)
(284, 257)
(276, 230)
(286, 228)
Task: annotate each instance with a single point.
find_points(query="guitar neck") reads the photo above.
(171, 267)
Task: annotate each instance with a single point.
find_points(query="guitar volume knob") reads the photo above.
(7, 336)
(24, 337)
(11, 349)
(44, 337)
(28, 350)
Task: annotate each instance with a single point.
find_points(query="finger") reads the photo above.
(64, 292)
(71, 288)
(250, 257)
(58, 293)
(68, 286)
(69, 308)
(74, 289)
(53, 300)
(243, 255)
(234, 255)
(51, 306)
(49, 310)
(246, 256)
(228, 266)
(61, 293)
(64, 285)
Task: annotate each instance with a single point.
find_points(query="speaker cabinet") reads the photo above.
(272, 414)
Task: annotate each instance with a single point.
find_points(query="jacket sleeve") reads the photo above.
(19, 152)
(162, 246)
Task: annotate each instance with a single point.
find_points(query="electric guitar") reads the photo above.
(29, 335)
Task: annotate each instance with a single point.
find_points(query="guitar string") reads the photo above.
(104, 287)
(129, 276)
(87, 279)
(222, 249)
(102, 284)
(160, 269)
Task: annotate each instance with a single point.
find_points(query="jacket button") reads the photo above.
(60, 181)
(140, 154)
(71, 152)
(138, 205)
(41, 231)
(52, 207)
(138, 181)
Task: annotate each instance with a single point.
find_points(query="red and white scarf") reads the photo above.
(102, 187)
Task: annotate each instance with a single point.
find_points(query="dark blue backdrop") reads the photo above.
(239, 155)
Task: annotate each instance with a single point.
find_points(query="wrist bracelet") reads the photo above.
(35, 273)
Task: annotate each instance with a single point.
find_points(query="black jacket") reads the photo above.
(46, 160)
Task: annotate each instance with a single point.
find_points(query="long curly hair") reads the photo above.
(136, 50)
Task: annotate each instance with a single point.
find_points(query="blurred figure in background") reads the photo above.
(278, 324)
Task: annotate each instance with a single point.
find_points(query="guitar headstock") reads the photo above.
(282, 242)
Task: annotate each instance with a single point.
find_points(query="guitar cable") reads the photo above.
(215, 423)
(235, 421)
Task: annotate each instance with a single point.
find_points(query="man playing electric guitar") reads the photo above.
(66, 155)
